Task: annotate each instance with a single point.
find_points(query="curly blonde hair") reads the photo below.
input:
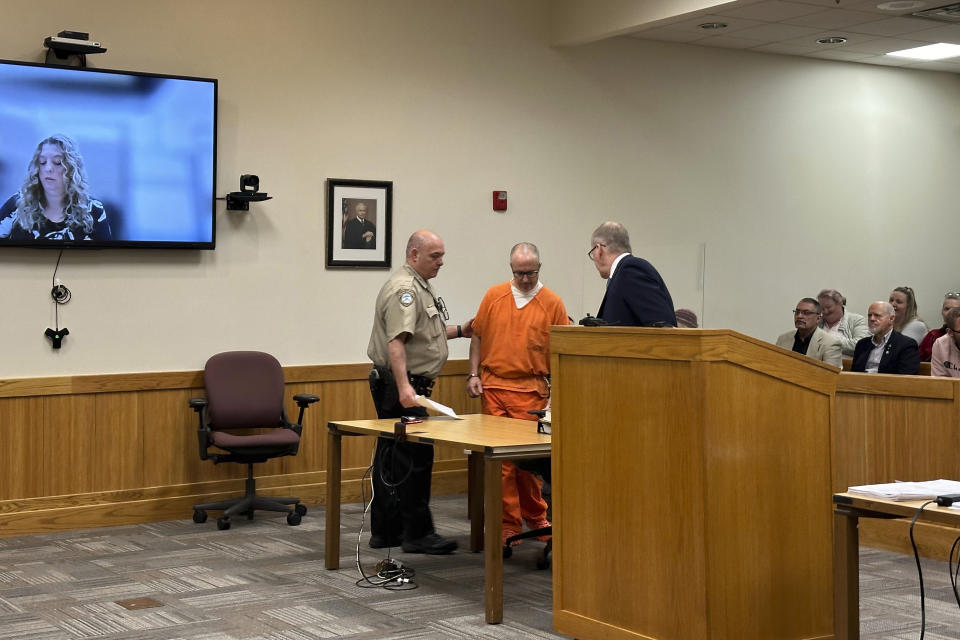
(76, 205)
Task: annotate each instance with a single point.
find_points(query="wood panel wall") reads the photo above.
(104, 450)
(890, 428)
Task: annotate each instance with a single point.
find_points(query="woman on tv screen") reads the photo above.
(53, 203)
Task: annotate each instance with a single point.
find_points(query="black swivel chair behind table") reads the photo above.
(245, 392)
(540, 467)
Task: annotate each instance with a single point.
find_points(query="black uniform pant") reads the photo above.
(401, 474)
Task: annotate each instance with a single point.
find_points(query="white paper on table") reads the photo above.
(927, 490)
(436, 406)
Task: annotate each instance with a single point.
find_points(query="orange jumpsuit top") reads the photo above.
(515, 343)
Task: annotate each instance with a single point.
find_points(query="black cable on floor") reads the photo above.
(954, 572)
(916, 556)
(391, 575)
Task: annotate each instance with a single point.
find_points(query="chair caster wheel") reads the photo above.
(223, 523)
(199, 516)
(507, 551)
(300, 509)
(293, 519)
(543, 563)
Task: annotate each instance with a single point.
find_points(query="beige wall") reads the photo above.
(788, 174)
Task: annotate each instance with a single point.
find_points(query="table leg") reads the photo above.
(493, 532)
(332, 548)
(846, 575)
(475, 499)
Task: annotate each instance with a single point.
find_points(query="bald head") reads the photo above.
(425, 253)
(525, 265)
(524, 249)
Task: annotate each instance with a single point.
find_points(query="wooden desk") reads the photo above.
(490, 440)
(847, 511)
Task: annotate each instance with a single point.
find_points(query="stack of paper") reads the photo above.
(900, 491)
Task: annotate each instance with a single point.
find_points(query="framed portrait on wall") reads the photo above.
(359, 222)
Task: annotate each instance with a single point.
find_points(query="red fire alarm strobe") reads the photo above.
(499, 200)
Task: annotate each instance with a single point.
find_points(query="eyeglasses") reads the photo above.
(441, 307)
(590, 253)
(805, 312)
(525, 274)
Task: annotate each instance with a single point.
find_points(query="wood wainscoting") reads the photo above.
(105, 450)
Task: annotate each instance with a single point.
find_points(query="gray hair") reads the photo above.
(614, 236)
(888, 308)
(832, 294)
(816, 305)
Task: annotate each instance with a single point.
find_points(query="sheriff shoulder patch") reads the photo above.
(406, 297)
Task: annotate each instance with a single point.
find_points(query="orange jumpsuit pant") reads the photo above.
(522, 500)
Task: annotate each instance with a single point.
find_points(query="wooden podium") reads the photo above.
(691, 486)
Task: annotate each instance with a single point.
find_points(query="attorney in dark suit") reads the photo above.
(887, 351)
(636, 294)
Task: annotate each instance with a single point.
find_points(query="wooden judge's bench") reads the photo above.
(693, 472)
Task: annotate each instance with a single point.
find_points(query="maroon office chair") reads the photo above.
(245, 392)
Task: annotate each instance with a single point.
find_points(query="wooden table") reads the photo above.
(847, 511)
(490, 440)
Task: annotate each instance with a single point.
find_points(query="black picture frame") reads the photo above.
(359, 223)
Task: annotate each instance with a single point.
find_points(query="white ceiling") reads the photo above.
(792, 27)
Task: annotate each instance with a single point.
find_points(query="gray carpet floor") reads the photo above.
(264, 580)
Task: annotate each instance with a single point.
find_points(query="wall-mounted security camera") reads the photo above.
(249, 192)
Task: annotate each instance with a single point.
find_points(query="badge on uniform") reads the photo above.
(406, 297)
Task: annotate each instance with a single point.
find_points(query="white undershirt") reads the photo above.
(522, 298)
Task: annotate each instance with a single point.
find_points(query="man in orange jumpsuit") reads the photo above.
(509, 365)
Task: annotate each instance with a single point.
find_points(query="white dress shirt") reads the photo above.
(873, 361)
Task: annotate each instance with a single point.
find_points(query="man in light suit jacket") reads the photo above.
(888, 351)
(849, 328)
(809, 339)
(636, 294)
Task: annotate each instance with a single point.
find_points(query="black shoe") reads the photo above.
(384, 542)
(431, 543)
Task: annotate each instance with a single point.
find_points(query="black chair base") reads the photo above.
(543, 562)
(248, 504)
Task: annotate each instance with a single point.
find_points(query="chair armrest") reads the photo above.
(304, 400)
(203, 431)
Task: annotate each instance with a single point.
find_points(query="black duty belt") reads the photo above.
(421, 384)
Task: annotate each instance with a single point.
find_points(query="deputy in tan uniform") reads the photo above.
(408, 347)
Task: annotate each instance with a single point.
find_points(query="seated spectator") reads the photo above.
(809, 339)
(848, 327)
(888, 351)
(905, 304)
(950, 300)
(686, 319)
(945, 360)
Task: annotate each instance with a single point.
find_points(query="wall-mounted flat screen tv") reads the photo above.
(100, 158)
